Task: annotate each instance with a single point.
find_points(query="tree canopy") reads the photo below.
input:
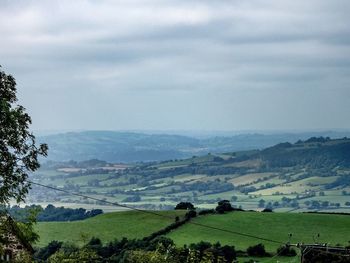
(18, 149)
(184, 206)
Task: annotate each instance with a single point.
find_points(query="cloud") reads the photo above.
(150, 55)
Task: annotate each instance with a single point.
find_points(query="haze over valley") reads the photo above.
(175, 131)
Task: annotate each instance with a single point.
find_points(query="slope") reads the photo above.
(333, 229)
(107, 227)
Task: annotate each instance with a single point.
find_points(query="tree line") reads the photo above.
(51, 213)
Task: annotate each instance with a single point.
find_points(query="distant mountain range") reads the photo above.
(141, 147)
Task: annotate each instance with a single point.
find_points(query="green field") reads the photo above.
(107, 227)
(283, 177)
(333, 229)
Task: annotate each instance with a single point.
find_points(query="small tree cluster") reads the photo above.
(286, 251)
(158, 250)
(184, 206)
(225, 206)
(257, 251)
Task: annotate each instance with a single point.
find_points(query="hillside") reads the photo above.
(314, 152)
(304, 176)
(333, 229)
(107, 227)
(134, 147)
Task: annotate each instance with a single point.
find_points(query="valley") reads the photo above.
(311, 175)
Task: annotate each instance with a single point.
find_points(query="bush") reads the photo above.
(215, 250)
(224, 206)
(206, 212)
(191, 214)
(184, 206)
(286, 251)
(257, 251)
(160, 240)
(45, 252)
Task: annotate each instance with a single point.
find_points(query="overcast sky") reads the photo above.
(179, 65)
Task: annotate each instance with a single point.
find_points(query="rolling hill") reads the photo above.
(107, 227)
(135, 147)
(305, 176)
(333, 229)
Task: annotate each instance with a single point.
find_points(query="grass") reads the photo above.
(296, 186)
(222, 195)
(333, 229)
(107, 227)
(83, 180)
(188, 177)
(249, 178)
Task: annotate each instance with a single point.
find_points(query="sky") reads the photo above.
(179, 65)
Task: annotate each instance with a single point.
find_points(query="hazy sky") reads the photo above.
(158, 64)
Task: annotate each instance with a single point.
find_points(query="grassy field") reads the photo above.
(333, 229)
(107, 227)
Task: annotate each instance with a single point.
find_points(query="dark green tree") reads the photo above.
(18, 150)
(224, 206)
(45, 252)
(286, 251)
(257, 250)
(184, 206)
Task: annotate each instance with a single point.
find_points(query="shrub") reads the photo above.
(257, 251)
(286, 251)
(184, 206)
(224, 206)
(191, 214)
(45, 252)
(206, 212)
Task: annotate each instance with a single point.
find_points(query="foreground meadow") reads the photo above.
(333, 229)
